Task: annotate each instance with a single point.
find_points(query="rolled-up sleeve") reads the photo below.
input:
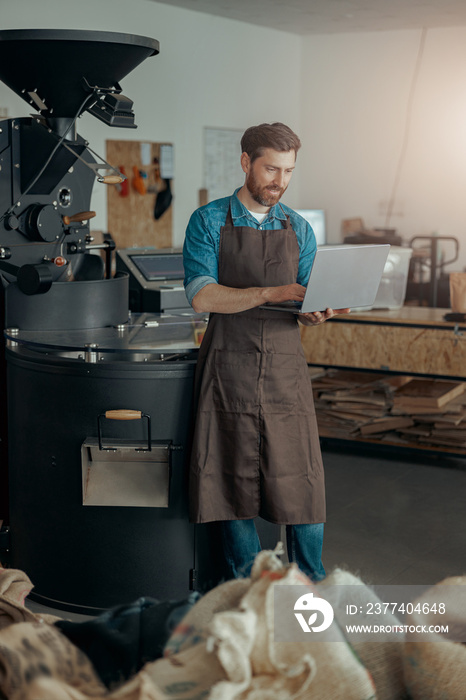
(200, 257)
(196, 285)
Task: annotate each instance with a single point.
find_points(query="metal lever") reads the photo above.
(80, 216)
(95, 167)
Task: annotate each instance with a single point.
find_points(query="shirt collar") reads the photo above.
(238, 210)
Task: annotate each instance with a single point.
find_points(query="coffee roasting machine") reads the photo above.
(99, 399)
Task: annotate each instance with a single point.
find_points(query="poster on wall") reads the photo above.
(222, 168)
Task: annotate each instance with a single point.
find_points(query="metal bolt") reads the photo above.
(91, 354)
(11, 332)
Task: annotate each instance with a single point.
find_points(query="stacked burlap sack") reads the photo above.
(225, 649)
(434, 663)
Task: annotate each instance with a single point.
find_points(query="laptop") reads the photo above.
(341, 277)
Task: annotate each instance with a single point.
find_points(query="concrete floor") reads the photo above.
(392, 517)
(395, 518)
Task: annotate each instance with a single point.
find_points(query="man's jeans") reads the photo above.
(241, 544)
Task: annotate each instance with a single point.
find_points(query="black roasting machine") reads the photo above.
(99, 400)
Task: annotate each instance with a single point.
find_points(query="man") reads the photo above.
(256, 447)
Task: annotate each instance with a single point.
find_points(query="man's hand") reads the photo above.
(317, 317)
(288, 292)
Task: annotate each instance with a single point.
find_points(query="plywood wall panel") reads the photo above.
(131, 219)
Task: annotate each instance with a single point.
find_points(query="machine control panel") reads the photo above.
(155, 279)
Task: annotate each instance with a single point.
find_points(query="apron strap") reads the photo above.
(288, 220)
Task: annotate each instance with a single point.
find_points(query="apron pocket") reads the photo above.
(280, 383)
(235, 381)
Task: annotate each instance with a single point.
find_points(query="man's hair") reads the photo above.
(277, 136)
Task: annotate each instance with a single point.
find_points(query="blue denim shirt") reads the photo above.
(201, 246)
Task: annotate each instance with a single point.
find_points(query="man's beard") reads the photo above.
(265, 196)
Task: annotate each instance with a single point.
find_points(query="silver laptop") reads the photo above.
(341, 277)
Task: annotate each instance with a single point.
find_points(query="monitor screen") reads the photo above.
(315, 217)
(160, 267)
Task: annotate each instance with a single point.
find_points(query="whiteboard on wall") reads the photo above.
(222, 167)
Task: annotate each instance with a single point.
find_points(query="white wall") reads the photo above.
(355, 98)
(345, 94)
(210, 72)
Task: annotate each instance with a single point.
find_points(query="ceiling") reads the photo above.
(334, 16)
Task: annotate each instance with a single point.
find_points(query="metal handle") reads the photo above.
(433, 243)
(124, 414)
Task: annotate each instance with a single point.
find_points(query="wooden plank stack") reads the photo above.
(392, 408)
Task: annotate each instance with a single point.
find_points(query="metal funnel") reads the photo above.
(52, 69)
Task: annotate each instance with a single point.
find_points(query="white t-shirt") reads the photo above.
(260, 217)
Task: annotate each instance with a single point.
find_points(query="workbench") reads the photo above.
(410, 340)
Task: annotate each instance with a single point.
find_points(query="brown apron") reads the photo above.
(256, 447)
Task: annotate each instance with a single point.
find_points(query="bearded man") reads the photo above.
(256, 447)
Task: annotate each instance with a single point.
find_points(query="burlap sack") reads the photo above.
(46, 688)
(436, 668)
(31, 653)
(193, 627)
(227, 596)
(241, 661)
(15, 585)
(383, 659)
(458, 292)
(334, 671)
(235, 657)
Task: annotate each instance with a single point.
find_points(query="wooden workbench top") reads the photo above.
(417, 315)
